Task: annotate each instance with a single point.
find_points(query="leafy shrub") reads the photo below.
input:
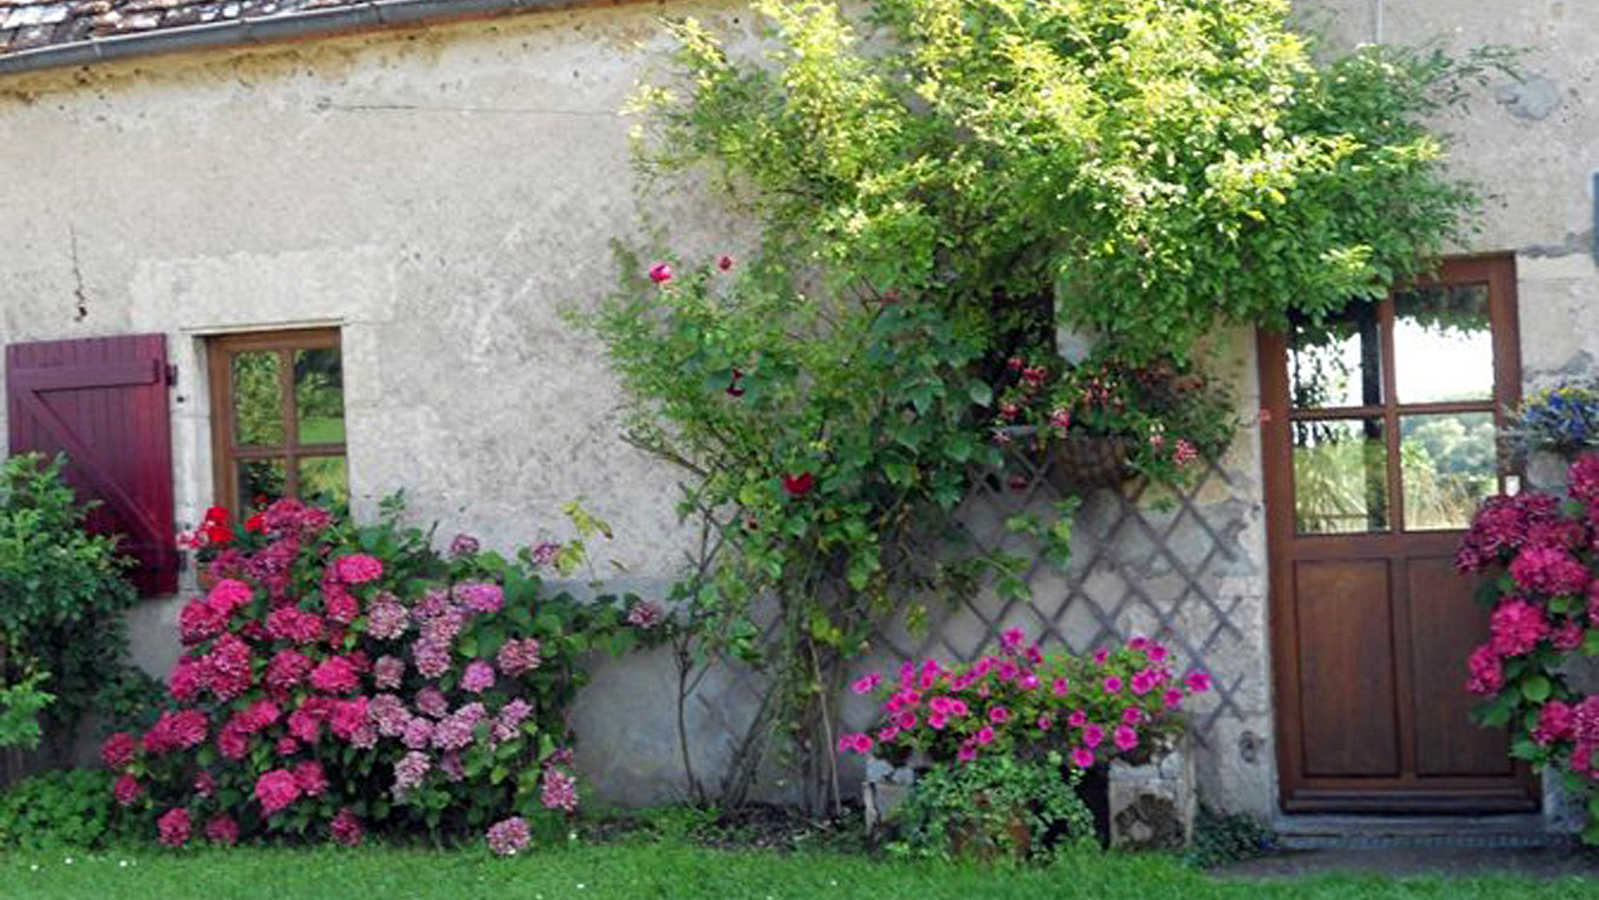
(995, 807)
(1222, 838)
(340, 678)
(1537, 555)
(69, 808)
(1019, 702)
(62, 595)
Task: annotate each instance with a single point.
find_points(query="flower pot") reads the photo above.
(1086, 461)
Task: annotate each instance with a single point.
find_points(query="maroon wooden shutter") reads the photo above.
(103, 402)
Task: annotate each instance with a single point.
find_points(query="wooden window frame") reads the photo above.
(226, 452)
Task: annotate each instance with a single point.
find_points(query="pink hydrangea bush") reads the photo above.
(1538, 556)
(1122, 703)
(340, 681)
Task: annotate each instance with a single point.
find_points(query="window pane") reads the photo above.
(257, 399)
(1337, 362)
(323, 480)
(1443, 350)
(1448, 464)
(1340, 476)
(261, 481)
(319, 395)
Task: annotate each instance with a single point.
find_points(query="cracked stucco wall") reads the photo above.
(441, 193)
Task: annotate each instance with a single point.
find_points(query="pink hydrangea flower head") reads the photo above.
(1082, 757)
(1517, 626)
(481, 597)
(1487, 672)
(1556, 722)
(984, 736)
(464, 544)
(187, 679)
(1197, 682)
(119, 750)
(174, 827)
(198, 621)
(478, 677)
(1093, 735)
(560, 789)
(387, 672)
(357, 568)
(1060, 687)
(509, 837)
(1077, 719)
(126, 789)
(1113, 684)
(335, 675)
(432, 702)
(227, 595)
(339, 604)
(967, 752)
(387, 618)
(222, 830)
(409, 772)
(1172, 698)
(286, 670)
(293, 624)
(276, 790)
(1549, 571)
(1101, 655)
(867, 683)
(346, 829)
(310, 778)
(999, 715)
(660, 273)
(518, 657)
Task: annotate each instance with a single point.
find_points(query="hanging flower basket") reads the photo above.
(1087, 461)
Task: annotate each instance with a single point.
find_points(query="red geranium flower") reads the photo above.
(799, 485)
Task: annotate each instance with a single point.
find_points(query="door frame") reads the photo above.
(1298, 792)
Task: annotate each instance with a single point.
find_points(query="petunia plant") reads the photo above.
(1121, 703)
(338, 679)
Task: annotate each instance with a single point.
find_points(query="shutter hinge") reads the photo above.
(171, 374)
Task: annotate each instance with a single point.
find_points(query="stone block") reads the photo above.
(1152, 806)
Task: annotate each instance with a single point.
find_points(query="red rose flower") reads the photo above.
(799, 485)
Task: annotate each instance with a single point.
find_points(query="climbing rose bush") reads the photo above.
(1539, 557)
(1115, 703)
(338, 680)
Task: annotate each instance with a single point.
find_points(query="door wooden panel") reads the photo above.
(1379, 440)
(103, 403)
(1446, 624)
(1346, 668)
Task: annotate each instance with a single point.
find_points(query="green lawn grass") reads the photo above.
(668, 871)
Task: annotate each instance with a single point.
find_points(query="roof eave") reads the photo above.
(372, 14)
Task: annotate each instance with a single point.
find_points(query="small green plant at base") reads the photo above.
(1222, 838)
(995, 808)
(69, 808)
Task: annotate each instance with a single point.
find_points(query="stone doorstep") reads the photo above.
(1319, 832)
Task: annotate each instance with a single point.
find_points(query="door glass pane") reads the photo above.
(323, 481)
(1443, 350)
(261, 481)
(319, 395)
(1448, 464)
(1337, 362)
(257, 399)
(1340, 476)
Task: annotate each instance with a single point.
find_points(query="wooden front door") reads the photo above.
(1379, 434)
